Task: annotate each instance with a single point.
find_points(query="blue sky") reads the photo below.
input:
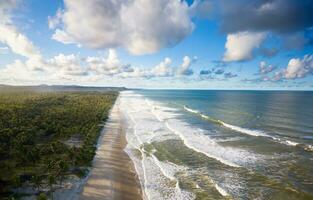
(194, 44)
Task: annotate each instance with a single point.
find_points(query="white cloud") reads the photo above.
(265, 68)
(169, 21)
(163, 69)
(18, 72)
(184, 69)
(67, 65)
(5, 7)
(240, 46)
(21, 45)
(107, 66)
(140, 26)
(17, 42)
(56, 20)
(299, 68)
(4, 50)
(62, 36)
(73, 67)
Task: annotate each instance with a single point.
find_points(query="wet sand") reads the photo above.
(113, 175)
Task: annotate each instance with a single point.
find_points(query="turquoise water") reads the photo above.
(228, 144)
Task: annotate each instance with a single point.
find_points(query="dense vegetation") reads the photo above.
(35, 128)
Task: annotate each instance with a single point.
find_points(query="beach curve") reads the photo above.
(113, 175)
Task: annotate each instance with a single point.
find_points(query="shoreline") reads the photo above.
(113, 174)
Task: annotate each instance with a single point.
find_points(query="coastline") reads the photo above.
(113, 175)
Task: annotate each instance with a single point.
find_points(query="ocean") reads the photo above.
(201, 144)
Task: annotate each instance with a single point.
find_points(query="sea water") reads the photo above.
(197, 144)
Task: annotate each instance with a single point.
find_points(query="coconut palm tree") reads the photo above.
(51, 181)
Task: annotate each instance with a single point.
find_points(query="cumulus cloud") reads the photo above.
(62, 36)
(265, 68)
(108, 66)
(17, 71)
(17, 42)
(240, 46)
(56, 20)
(74, 68)
(140, 26)
(184, 69)
(299, 68)
(163, 69)
(65, 65)
(174, 15)
(21, 45)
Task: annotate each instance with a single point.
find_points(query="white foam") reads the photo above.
(291, 143)
(251, 132)
(221, 190)
(134, 144)
(196, 139)
(155, 176)
(191, 110)
(229, 139)
(245, 130)
(152, 121)
(308, 147)
(169, 172)
(195, 142)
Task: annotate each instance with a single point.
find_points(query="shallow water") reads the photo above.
(221, 144)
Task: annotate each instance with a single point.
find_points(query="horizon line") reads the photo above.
(143, 88)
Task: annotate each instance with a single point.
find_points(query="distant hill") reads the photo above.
(60, 88)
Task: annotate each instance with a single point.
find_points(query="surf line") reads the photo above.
(156, 162)
(185, 141)
(182, 137)
(141, 150)
(255, 133)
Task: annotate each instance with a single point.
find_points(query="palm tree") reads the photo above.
(63, 167)
(36, 180)
(51, 181)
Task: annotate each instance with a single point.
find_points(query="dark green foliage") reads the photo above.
(42, 196)
(34, 128)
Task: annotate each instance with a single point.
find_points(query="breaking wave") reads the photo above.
(251, 132)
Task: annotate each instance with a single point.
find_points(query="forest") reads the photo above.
(46, 136)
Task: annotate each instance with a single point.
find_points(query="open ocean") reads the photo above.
(192, 144)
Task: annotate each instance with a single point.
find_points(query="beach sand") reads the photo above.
(113, 175)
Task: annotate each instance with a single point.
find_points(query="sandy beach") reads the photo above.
(113, 175)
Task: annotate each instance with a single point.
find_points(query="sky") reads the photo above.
(198, 44)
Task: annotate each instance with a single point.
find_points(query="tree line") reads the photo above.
(34, 128)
